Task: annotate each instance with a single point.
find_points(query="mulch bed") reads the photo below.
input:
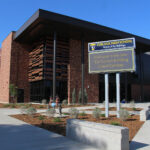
(132, 123)
(114, 109)
(38, 106)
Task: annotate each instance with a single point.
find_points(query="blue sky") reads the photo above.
(131, 16)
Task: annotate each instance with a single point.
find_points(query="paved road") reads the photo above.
(18, 135)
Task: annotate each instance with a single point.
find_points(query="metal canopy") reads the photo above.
(44, 22)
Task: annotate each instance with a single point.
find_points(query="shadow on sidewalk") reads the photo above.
(136, 145)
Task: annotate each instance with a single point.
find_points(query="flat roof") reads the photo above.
(44, 22)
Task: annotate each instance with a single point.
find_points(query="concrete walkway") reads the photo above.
(142, 139)
(18, 135)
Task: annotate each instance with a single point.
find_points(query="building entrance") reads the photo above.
(125, 89)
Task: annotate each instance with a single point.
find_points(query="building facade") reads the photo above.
(27, 61)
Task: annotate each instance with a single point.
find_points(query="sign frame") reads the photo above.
(111, 41)
(133, 69)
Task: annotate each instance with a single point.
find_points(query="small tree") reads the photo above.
(80, 97)
(13, 92)
(85, 96)
(96, 113)
(74, 96)
(73, 113)
(124, 114)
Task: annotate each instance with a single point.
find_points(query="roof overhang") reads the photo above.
(44, 22)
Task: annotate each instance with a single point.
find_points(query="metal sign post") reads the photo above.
(106, 95)
(118, 93)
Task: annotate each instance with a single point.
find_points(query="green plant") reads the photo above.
(123, 114)
(132, 104)
(73, 112)
(134, 109)
(20, 104)
(41, 106)
(28, 105)
(65, 102)
(85, 96)
(13, 92)
(96, 113)
(65, 113)
(23, 109)
(116, 123)
(13, 105)
(74, 96)
(80, 97)
(50, 112)
(56, 119)
(31, 111)
(82, 113)
(6, 105)
(102, 115)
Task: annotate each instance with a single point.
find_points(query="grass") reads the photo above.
(82, 114)
(6, 105)
(116, 123)
(56, 119)
(66, 114)
(41, 106)
(134, 109)
(41, 117)
(102, 115)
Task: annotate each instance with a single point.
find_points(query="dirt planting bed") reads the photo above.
(114, 109)
(59, 125)
(38, 106)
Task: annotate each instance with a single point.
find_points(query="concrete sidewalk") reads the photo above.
(142, 139)
(18, 135)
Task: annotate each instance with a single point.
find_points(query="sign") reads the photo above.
(116, 60)
(112, 44)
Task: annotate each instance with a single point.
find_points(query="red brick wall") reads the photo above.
(0, 57)
(5, 69)
(14, 68)
(19, 68)
(74, 73)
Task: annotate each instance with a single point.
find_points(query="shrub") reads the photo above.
(85, 96)
(64, 102)
(23, 109)
(6, 105)
(73, 112)
(80, 97)
(56, 119)
(41, 106)
(41, 117)
(13, 105)
(21, 104)
(28, 105)
(31, 111)
(116, 123)
(44, 101)
(65, 113)
(74, 96)
(102, 115)
(134, 109)
(83, 113)
(123, 114)
(96, 113)
(13, 92)
(132, 104)
(50, 112)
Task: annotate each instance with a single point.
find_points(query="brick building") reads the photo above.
(27, 61)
